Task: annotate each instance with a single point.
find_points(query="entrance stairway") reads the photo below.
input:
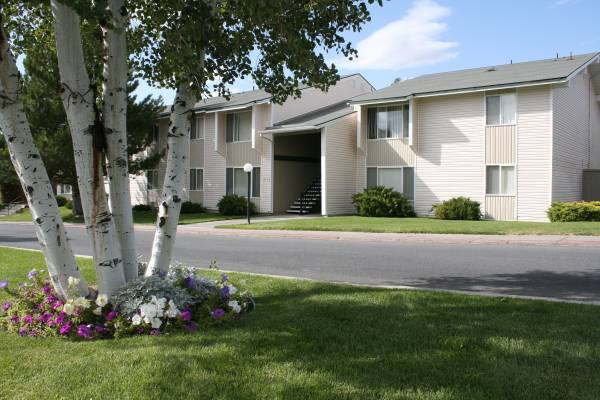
(309, 200)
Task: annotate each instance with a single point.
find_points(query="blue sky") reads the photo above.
(411, 38)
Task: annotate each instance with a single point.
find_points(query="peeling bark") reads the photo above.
(178, 164)
(114, 114)
(88, 145)
(32, 174)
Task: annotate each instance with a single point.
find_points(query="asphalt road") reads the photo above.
(567, 273)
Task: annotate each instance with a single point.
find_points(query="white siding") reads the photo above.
(214, 167)
(241, 153)
(501, 144)
(138, 187)
(389, 152)
(197, 153)
(450, 150)
(340, 169)
(501, 208)
(571, 137)
(534, 153)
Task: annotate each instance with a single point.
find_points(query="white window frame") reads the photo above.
(61, 189)
(148, 180)
(401, 167)
(403, 135)
(245, 177)
(197, 169)
(499, 95)
(199, 121)
(233, 139)
(500, 180)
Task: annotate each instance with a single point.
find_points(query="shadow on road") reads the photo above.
(12, 239)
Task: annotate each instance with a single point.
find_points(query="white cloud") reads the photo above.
(412, 41)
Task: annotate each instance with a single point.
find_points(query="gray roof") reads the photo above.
(497, 76)
(314, 119)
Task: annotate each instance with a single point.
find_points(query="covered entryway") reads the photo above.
(297, 172)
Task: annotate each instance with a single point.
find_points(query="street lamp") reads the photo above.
(248, 170)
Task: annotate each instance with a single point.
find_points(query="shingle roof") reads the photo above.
(492, 76)
(314, 119)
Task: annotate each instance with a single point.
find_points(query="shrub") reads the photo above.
(232, 204)
(69, 205)
(143, 207)
(574, 211)
(61, 201)
(382, 202)
(187, 207)
(461, 208)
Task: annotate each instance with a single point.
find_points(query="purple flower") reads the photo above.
(60, 318)
(186, 315)
(191, 327)
(31, 274)
(154, 332)
(57, 304)
(47, 288)
(51, 323)
(45, 317)
(224, 277)
(65, 329)
(6, 306)
(100, 329)
(139, 331)
(50, 298)
(3, 284)
(162, 274)
(28, 319)
(15, 319)
(190, 282)
(22, 331)
(111, 315)
(218, 313)
(84, 331)
(225, 292)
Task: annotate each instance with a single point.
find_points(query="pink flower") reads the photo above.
(15, 319)
(6, 306)
(186, 315)
(65, 329)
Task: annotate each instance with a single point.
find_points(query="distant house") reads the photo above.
(514, 137)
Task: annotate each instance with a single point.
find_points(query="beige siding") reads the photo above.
(534, 149)
(450, 150)
(595, 127)
(571, 138)
(266, 174)
(340, 168)
(214, 167)
(241, 153)
(218, 139)
(138, 187)
(501, 144)
(197, 153)
(196, 196)
(389, 152)
(502, 208)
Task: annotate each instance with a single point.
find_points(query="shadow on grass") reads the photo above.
(338, 342)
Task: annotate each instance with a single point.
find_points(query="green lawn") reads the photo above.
(308, 340)
(139, 217)
(427, 225)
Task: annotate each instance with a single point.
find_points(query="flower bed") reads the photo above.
(177, 301)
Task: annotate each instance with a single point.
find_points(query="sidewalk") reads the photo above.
(209, 229)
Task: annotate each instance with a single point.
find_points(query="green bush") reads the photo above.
(574, 211)
(382, 202)
(69, 205)
(461, 208)
(143, 207)
(187, 207)
(61, 201)
(232, 204)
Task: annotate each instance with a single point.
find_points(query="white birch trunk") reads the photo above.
(178, 164)
(79, 102)
(114, 113)
(32, 174)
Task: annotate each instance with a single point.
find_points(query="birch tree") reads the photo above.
(188, 46)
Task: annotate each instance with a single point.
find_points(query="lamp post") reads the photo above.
(248, 170)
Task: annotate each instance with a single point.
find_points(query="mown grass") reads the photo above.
(139, 217)
(308, 340)
(426, 225)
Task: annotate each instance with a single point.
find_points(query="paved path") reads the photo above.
(565, 268)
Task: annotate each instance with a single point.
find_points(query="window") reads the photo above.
(236, 182)
(401, 179)
(196, 179)
(239, 127)
(501, 109)
(64, 189)
(152, 178)
(197, 128)
(387, 122)
(500, 179)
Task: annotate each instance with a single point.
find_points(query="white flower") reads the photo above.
(136, 319)
(160, 303)
(232, 290)
(235, 306)
(172, 311)
(68, 308)
(156, 323)
(82, 302)
(102, 300)
(97, 311)
(73, 281)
